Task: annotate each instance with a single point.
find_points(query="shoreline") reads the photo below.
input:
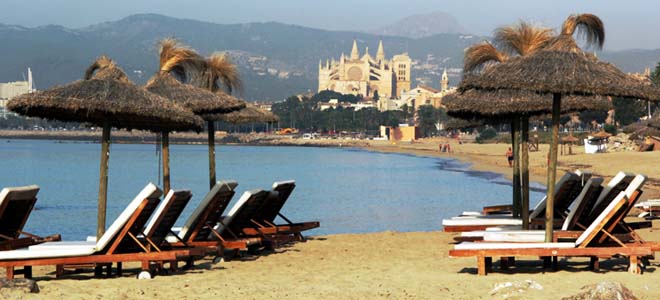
(480, 157)
(378, 265)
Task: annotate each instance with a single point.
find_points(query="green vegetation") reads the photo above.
(303, 113)
(486, 134)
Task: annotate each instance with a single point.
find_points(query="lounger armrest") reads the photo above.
(496, 209)
(566, 235)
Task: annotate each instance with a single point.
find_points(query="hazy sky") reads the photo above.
(628, 23)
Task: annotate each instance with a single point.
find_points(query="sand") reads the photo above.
(386, 265)
(491, 157)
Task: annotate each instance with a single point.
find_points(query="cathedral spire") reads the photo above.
(355, 53)
(380, 55)
(444, 83)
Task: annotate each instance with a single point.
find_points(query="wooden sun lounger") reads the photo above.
(585, 246)
(117, 245)
(629, 184)
(263, 221)
(199, 229)
(240, 220)
(582, 178)
(566, 190)
(16, 204)
(591, 190)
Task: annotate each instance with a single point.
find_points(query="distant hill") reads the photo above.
(276, 60)
(422, 25)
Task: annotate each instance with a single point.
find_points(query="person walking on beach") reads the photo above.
(509, 157)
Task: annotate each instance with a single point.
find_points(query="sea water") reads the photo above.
(347, 190)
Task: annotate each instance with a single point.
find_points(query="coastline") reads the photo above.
(481, 157)
(381, 265)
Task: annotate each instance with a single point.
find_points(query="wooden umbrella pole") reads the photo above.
(103, 180)
(166, 161)
(524, 166)
(552, 168)
(211, 131)
(515, 131)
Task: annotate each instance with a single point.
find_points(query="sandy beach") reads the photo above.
(385, 265)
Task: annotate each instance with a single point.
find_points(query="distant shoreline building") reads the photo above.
(10, 90)
(366, 75)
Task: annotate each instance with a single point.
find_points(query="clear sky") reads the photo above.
(628, 23)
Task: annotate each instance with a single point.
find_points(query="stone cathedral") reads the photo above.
(364, 75)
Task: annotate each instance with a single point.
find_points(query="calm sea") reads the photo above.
(347, 190)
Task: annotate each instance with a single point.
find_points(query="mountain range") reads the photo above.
(276, 60)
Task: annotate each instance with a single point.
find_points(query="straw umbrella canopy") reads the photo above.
(182, 70)
(516, 40)
(567, 71)
(107, 98)
(216, 74)
(505, 104)
(197, 100)
(249, 114)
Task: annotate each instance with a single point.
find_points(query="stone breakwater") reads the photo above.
(134, 136)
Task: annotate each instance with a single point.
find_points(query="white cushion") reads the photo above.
(149, 191)
(487, 246)
(47, 253)
(234, 209)
(619, 198)
(481, 221)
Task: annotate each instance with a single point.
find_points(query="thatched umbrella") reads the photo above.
(189, 67)
(106, 98)
(559, 73)
(212, 73)
(199, 101)
(249, 114)
(503, 105)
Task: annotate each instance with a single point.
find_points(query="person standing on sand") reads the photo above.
(509, 157)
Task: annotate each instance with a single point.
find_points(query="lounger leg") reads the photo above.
(634, 267)
(506, 262)
(10, 272)
(173, 265)
(481, 265)
(489, 264)
(594, 264)
(119, 269)
(59, 271)
(98, 270)
(145, 265)
(108, 270)
(27, 272)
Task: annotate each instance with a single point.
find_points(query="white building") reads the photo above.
(12, 89)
